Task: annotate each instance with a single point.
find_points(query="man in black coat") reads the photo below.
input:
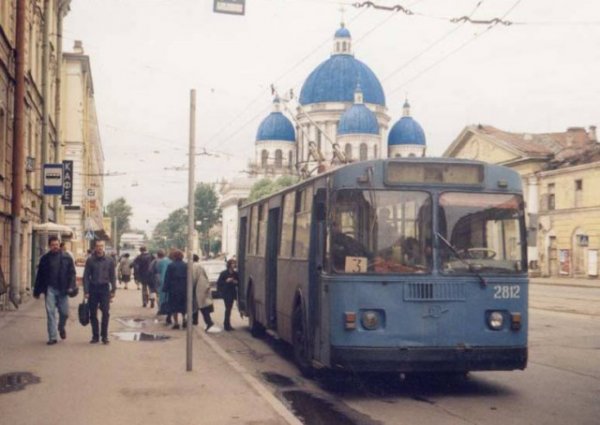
(141, 266)
(227, 287)
(56, 280)
(100, 286)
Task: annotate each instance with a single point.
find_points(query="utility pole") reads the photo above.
(18, 156)
(45, 103)
(190, 243)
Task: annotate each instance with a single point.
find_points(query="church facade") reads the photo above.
(341, 116)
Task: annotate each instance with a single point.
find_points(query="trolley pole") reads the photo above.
(190, 243)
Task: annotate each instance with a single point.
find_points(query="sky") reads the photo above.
(539, 74)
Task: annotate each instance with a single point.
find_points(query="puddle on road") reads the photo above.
(16, 381)
(140, 336)
(278, 379)
(312, 409)
(136, 322)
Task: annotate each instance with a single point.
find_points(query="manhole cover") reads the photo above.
(16, 381)
(139, 336)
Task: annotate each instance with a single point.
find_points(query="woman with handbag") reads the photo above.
(203, 301)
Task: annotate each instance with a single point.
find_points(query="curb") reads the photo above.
(273, 401)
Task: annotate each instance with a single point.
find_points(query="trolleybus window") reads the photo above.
(287, 227)
(303, 212)
(483, 231)
(380, 232)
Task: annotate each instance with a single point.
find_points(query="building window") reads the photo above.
(551, 198)
(278, 159)
(363, 152)
(578, 192)
(348, 151)
(375, 152)
(264, 156)
(290, 159)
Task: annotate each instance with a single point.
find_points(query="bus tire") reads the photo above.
(256, 329)
(300, 343)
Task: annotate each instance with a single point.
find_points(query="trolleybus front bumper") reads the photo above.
(416, 359)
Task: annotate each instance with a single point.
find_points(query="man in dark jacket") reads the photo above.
(55, 279)
(100, 286)
(227, 287)
(143, 271)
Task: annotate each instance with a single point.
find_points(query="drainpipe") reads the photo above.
(18, 156)
(58, 153)
(45, 102)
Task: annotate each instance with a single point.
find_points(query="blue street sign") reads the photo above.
(53, 179)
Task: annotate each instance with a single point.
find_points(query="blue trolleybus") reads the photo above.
(399, 265)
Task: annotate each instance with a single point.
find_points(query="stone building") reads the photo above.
(82, 145)
(560, 172)
(43, 24)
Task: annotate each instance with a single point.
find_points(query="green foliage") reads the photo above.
(206, 207)
(265, 187)
(171, 232)
(121, 211)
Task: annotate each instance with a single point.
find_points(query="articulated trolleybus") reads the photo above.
(398, 265)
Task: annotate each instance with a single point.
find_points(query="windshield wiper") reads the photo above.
(473, 268)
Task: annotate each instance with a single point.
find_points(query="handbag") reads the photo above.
(84, 312)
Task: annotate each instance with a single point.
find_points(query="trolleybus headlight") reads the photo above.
(495, 320)
(370, 320)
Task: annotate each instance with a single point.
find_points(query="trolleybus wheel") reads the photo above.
(256, 329)
(300, 343)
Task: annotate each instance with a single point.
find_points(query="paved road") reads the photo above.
(561, 384)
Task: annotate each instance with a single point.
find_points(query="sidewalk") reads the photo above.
(566, 281)
(129, 383)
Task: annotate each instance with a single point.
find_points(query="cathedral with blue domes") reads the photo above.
(341, 108)
(341, 117)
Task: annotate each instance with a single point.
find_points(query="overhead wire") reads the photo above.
(452, 52)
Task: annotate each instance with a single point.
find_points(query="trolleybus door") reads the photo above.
(241, 261)
(271, 267)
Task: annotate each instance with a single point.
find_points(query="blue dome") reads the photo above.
(276, 127)
(342, 33)
(335, 80)
(358, 120)
(406, 132)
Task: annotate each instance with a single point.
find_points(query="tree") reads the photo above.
(120, 211)
(171, 232)
(265, 187)
(206, 211)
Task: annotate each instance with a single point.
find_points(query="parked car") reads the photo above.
(213, 270)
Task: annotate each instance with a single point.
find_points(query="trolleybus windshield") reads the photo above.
(485, 232)
(380, 231)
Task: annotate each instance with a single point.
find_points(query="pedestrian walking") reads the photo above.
(227, 287)
(163, 297)
(203, 301)
(143, 274)
(124, 270)
(176, 287)
(100, 286)
(56, 280)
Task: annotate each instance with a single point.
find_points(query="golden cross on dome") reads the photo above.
(342, 11)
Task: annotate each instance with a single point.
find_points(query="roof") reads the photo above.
(276, 126)
(335, 80)
(406, 132)
(358, 120)
(560, 145)
(342, 32)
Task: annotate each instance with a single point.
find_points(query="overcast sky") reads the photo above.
(540, 74)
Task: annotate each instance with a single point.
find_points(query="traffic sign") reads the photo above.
(233, 7)
(53, 179)
(89, 235)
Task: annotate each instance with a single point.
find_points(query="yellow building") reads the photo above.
(559, 172)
